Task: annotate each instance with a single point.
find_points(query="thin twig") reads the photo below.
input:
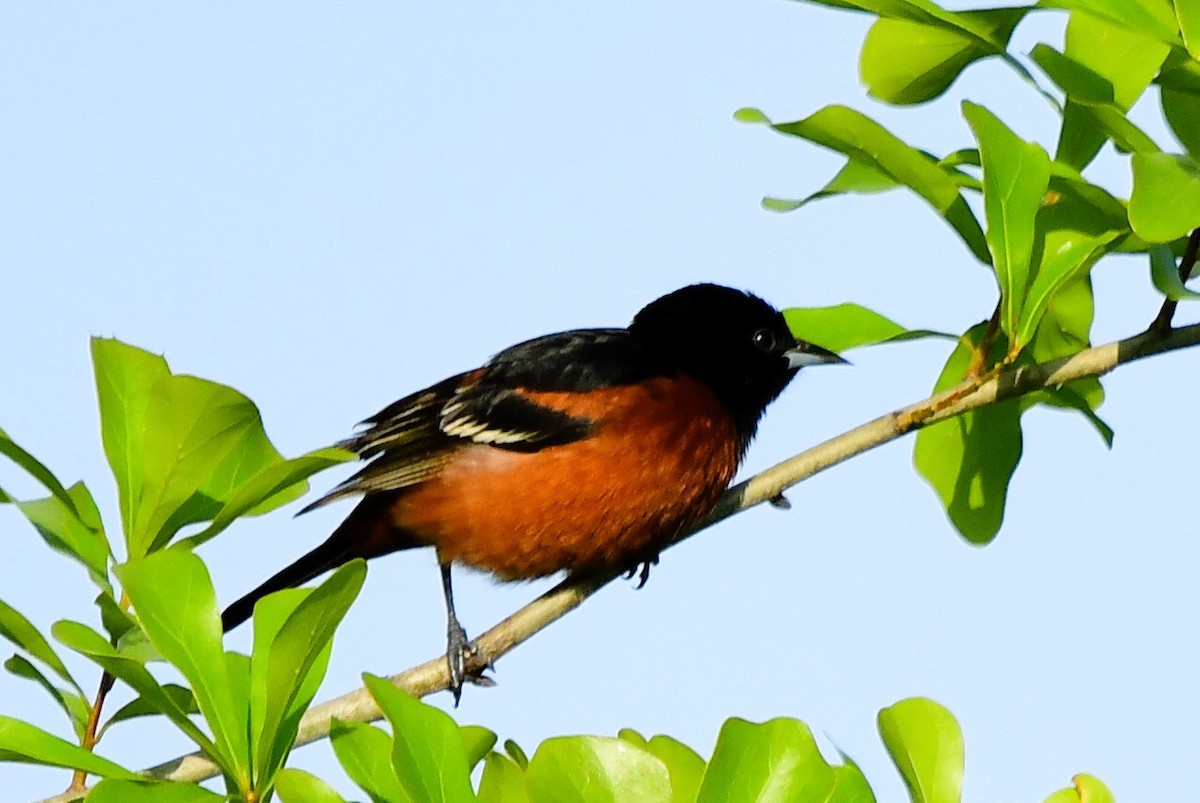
(89, 739)
(1162, 324)
(432, 676)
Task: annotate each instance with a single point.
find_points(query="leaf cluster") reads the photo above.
(1029, 212)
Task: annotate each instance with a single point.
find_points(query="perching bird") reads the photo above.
(582, 451)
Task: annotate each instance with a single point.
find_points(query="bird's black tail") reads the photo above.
(329, 555)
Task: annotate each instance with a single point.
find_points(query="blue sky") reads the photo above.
(328, 207)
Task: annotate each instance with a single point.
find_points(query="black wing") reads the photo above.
(414, 438)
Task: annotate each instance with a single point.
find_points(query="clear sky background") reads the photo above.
(329, 206)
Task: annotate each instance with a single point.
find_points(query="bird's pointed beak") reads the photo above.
(805, 353)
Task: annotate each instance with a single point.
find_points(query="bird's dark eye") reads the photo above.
(765, 340)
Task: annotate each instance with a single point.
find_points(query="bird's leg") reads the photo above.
(459, 649)
(457, 646)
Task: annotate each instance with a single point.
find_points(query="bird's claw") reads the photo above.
(460, 660)
(641, 571)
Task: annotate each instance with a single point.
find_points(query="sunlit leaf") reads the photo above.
(865, 141)
(854, 177)
(1165, 203)
(365, 753)
(175, 602)
(1187, 14)
(774, 760)
(903, 61)
(293, 636)
(298, 786)
(21, 632)
(848, 326)
(1016, 175)
(503, 781)
(924, 741)
(143, 791)
(35, 469)
(1126, 59)
(1084, 789)
(72, 702)
(478, 742)
(265, 488)
(140, 707)
(27, 744)
(969, 460)
(88, 642)
(63, 529)
(596, 769)
(1072, 234)
(684, 765)
(1150, 18)
(180, 447)
(428, 752)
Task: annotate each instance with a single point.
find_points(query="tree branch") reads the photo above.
(432, 676)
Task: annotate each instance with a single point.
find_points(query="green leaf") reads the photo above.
(1182, 111)
(1165, 203)
(124, 377)
(76, 708)
(1016, 175)
(478, 741)
(1085, 789)
(64, 531)
(1127, 60)
(926, 745)
(514, 751)
(1151, 18)
(684, 765)
(88, 642)
(503, 781)
(1165, 275)
(298, 786)
(181, 697)
(1065, 329)
(862, 139)
(850, 785)
(293, 636)
(595, 769)
(1072, 234)
(428, 753)
(1187, 14)
(174, 600)
(143, 791)
(848, 326)
(365, 753)
(26, 744)
(180, 447)
(34, 468)
(970, 459)
(284, 477)
(21, 632)
(775, 760)
(1080, 83)
(1104, 70)
(903, 61)
(854, 177)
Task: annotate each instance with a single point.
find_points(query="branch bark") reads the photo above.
(432, 676)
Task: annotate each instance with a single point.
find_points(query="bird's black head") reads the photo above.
(736, 343)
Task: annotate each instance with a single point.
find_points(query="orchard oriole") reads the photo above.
(581, 451)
